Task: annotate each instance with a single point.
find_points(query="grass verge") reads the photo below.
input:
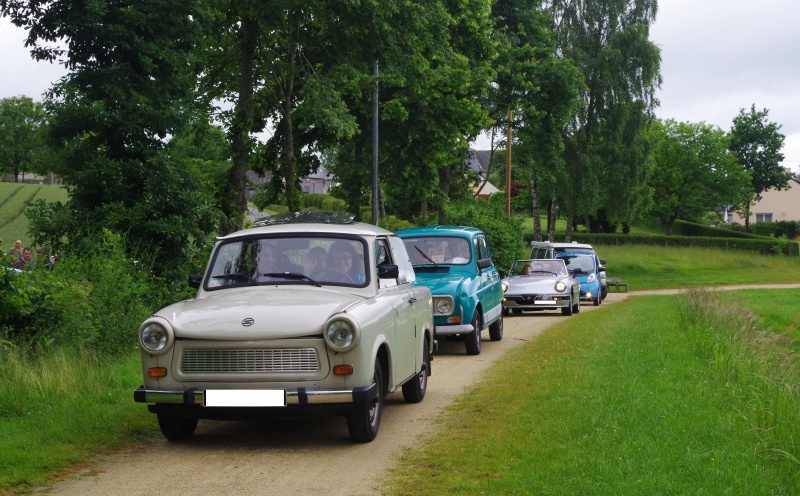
(655, 395)
(62, 409)
(654, 267)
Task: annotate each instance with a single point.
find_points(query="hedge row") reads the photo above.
(762, 246)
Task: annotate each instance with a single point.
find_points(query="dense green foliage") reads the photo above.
(22, 146)
(693, 171)
(94, 299)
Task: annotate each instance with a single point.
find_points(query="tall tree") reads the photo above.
(757, 144)
(22, 148)
(605, 153)
(130, 86)
(541, 87)
(693, 171)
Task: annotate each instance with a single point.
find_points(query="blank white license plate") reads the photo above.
(544, 302)
(245, 397)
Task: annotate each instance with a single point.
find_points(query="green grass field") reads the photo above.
(13, 198)
(639, 398)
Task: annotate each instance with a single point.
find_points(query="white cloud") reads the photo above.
(719, 56)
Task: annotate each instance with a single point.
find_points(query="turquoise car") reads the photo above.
(455, 262)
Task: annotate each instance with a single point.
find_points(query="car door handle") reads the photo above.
(412, 300)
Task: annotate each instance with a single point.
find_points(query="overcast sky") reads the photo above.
(717, 57)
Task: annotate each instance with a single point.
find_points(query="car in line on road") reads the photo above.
(455, 262)
(300, 315)
(541, 284)
(546, 249)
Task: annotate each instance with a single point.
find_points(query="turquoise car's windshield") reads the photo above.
(438, 250)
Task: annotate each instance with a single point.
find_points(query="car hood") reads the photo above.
(533, 283)
(441, 283)
(263, 313)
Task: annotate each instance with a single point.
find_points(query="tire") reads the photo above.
(496, 329)
(176, 428)
(414, 390)
(567, 311)
(364, 423)
(473, 340)
(576, 308)
(506, 311)
(597, 299)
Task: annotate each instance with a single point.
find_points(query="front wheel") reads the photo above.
(568, 310)
(473, 339)
(496, 330)
(176, 428)
(414, 390)
(363, 424)
(597, 299)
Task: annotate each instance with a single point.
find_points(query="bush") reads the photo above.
(505, 235)
(764, 246)
(93, 300)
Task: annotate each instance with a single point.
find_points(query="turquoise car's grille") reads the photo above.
(256, 361)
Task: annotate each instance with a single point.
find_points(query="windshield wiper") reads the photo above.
(292, 275)
(425, 255)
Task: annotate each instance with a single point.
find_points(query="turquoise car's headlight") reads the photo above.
(341, 333)
(442, 305)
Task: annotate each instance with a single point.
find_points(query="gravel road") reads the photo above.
(309, 456)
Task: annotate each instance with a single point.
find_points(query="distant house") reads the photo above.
(775, 205)
(478, 162)
(318, 182)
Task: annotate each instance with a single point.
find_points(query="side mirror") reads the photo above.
(484, 263)
(602, 261)
(502, 274)
(388, 271)
(195, 280)
(602, 269)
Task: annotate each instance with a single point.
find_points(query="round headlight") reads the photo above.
(444, 306)
(561, 287)
(340, 334)
(154, 337)
(504, 285)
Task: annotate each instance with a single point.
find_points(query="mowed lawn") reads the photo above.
(13, 200)
(641, 397)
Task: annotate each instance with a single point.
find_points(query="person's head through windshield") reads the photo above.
(266, 259)
(341, 257)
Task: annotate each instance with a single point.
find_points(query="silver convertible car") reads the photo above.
(539, 284)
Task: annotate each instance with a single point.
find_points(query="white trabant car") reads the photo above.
(302, 314)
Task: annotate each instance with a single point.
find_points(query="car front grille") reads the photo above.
(256, 361)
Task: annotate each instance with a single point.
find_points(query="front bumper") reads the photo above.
(299, 397)
(536, 302)
(449, 330)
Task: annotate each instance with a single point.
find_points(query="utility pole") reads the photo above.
(508, 165)
(375, 195)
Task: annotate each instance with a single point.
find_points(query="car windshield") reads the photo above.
(538, 267)
(438, 250)
(581, 264)
(314, 260)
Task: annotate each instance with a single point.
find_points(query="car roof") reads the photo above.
(462, 231)
(301, 222)
(545, 244)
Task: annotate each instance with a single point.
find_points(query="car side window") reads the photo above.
(481, 248)
(405, 269)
